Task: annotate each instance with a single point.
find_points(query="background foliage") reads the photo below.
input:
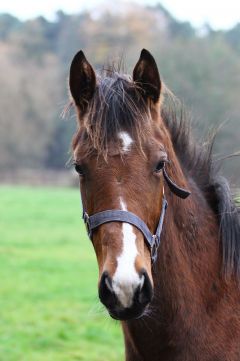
(202, 67)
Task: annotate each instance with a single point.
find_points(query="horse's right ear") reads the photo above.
(82, 81)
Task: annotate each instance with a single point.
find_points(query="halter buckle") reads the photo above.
(87, 224)
(154, 248)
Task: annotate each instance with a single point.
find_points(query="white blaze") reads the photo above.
(126, 141)
(126, 279)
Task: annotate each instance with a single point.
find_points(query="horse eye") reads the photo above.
(78, 169)
(159, 166)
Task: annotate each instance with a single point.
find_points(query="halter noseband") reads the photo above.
(117, 215)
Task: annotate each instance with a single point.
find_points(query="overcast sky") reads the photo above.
(219, 14)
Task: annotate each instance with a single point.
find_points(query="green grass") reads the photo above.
(49, 309)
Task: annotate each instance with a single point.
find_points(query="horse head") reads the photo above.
(121, 151)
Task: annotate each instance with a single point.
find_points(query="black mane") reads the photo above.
(197, 161)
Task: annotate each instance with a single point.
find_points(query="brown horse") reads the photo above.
(132, 154)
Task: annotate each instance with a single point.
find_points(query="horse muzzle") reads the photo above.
(125, 301)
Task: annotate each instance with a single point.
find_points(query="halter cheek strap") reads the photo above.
(117, 215)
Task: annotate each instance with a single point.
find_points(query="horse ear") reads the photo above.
(147, 76)
(82, 81)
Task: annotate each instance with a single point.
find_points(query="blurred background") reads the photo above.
(198, 60)
(48, 295)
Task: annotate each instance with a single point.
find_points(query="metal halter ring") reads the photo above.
(87, 224)
(154, 248)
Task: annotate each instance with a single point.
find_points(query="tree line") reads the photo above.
(201, 67)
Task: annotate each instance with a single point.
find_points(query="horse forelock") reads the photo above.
(117, 106)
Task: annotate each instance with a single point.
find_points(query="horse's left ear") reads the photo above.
(146, 75)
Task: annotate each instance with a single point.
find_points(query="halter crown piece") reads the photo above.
(118, 215)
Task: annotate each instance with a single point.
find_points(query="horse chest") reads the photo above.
(202, 342)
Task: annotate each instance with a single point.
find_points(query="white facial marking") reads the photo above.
(126, 279)
(126, 141)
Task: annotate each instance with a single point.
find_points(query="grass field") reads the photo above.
(49, 309)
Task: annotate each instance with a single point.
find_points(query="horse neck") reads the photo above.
(189, 258)
(187, 267)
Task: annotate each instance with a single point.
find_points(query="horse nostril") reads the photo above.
(106, 294)
(144, 293)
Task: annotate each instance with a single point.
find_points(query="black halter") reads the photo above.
(117, 215)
